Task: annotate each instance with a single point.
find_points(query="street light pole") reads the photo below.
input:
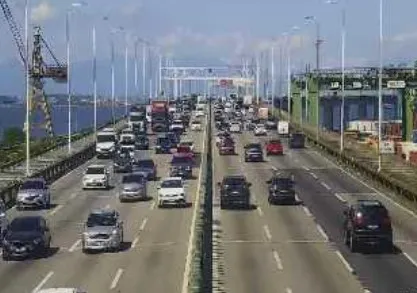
(27, 65)
(67, 34)
(160, 74)
(95, 79)
(272, 75)
(381, 39)
(144, 70)
(257, 79)
(289, 76)
(126, 74)
(113, 97)
(342, 107)
(136, 68)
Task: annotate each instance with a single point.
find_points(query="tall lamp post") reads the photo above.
(381, 40)
(27, 69)
(289, 47)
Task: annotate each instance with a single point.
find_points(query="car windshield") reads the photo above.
(181, 160)
(142, 138)
(275, 142)
(260, 126)
(24, 224)
(285, 183)
(106, 138)
(136, 118)
(172, 183)
(32, 185)
(254, 146)
(234, 181)
(186, 143)
(95, 170)
(145, 163)
(133, 178)
(101, 219)
(127, 142)
(374, 211)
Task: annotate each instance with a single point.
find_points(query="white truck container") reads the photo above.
(106, 143)
(247, 100)
(283, 128)
(263, 113)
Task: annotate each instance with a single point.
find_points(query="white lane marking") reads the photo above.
(134, 242)
(339, 197)
(367, 291)
(314, 175)
(322, 232)
(288, 290)
(325, 185)
(307, 211)
(74, 246)
(267, 232)
(260, 212)
(107, 206)
(116, 279)
(410, 258)
(152, 207)
(142, 226)
(306, 168)
(344, 261)
(55, 210)
(43, 282)
(187, 270)
(370, 187)
(72, 196)
(297, 199)
(277, 260)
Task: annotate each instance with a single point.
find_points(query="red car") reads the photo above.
(274, 147)
(185, 150)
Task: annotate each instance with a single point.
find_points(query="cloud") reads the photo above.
(404, 37)
(132, 8)
(42, 12)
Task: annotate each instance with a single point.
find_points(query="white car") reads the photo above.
(196, 126)
(172, 192)
(235, 127)
(199, 113)
(96, 176)
(3, 217)
(176, 125)
(260, 130)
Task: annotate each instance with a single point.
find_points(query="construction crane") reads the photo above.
(38, 72)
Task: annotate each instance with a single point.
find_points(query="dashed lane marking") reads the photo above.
(74, 195)
(322, 232)
(314, 175)
(142, 226)
(107, 206)
(260, 212)
(134, 242)
(74, 246)
(55, 210)
(307, 211)
(297, 198)
(288, 290)
(324, 184)
(340, 197)
(267, 233)
(358, 194)
(306, 168)
(43, 282)
(152, 207)
(277, 260)
(345, 262)
(410, 258)
(116, 279)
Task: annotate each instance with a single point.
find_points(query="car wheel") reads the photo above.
(346, 237)
(388, 246)
(353, 244)
(5, 256)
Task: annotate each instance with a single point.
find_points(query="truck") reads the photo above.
(137, 119)
(159, 116)
(106, 143)
(263, 113)
(247, 100)
(283, 128)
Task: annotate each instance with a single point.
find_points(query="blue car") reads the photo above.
(163, 145)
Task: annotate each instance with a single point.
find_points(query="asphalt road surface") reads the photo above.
(299, 248)
(154, 253)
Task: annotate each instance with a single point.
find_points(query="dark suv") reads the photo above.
(296, 141)
(234, 191)
(367, 222)
(26, 236)
(163, 145)
(281, 188)
(253, 152)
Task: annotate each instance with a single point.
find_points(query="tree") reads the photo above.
(13, 135)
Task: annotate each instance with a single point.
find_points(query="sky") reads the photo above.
(195, 32)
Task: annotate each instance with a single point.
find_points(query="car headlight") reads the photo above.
(114, 232)
(37, 241)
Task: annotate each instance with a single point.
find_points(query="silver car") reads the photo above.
(103, 231)
(34, 193)
(133, 187)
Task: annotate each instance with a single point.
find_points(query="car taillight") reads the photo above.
(358, 219)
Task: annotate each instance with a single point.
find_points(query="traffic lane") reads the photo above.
(162, 244)
(377, 272)
(244, 252)
(348, 188)
(302, 245)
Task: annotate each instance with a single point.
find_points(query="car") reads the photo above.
(187, 143)
(147, 168)
(134, 187)
(196, 125)
(274, 147)
(127, 141)
(3, 218)
(173, 137)
(103, 231)
(234, 191)
(260, 130)
(96, 176)
(227, 147)
(142, 142)
(26, 236)
(177, 126)
(33, 193)
(163, 145)
(122, 164)
(221, 136)
(235, 127)
(281, 188)
(271, 124)
(61, 290)
(296, 141)
(181, 166)
(253, 152)
(367, 222)
(172, 191)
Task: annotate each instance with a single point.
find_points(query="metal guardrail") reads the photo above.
(53, 171)
(383, 178)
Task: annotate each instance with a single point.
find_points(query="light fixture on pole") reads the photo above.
(381, 40)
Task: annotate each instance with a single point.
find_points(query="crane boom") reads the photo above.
(14, 29)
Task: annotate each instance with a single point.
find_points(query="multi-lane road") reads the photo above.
(300, 248)
(156, 240)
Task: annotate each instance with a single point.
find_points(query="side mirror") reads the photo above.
(269, 181)
(249, 184)
(47, 229)
(159, 187)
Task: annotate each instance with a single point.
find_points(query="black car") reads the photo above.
(367, 222)
(174, 138)
(253, 152)
(122, 164)
(163, 145)
(281, 188)
(296, 141)
(234, 191)
(27, 236)
(146, 167)
(181, 166)
(142, 142)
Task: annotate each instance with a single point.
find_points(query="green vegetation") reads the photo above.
(13, 136)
